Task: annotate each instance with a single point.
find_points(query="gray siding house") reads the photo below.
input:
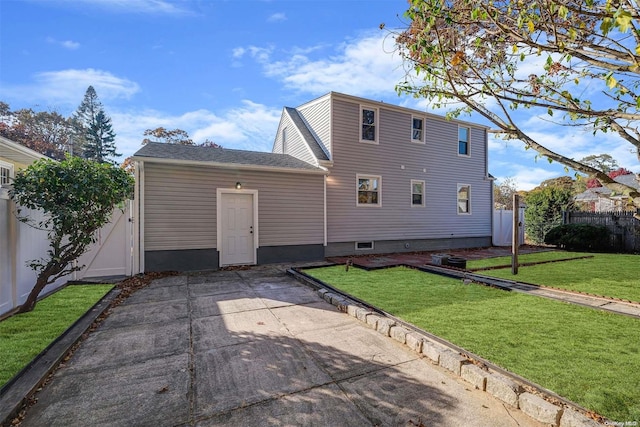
(399, 179)
(346, 176)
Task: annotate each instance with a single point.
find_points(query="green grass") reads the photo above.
(586, 355)
(612, 275)
(524, 258)
(24, 336)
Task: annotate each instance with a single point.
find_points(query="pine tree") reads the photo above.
(94, 132)
(100, 140)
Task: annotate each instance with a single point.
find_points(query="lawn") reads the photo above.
(586, 355)
(504, 261)
(24, 336)
(612, 275)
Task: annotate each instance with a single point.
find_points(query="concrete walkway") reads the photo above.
(252, 347)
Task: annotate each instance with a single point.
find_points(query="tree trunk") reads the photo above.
(41, 282)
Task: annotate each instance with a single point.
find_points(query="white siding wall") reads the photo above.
(318, 114)
(180, 206)
(295, 144)
(398, 160)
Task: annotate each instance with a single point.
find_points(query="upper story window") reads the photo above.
(464, 199)
(463, 141)
(6, 173)
(368, 191)
(369, 125)
(417, 193)
(417, 129)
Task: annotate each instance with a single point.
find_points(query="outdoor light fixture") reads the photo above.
(238, 185)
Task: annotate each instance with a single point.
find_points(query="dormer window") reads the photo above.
(369, 125)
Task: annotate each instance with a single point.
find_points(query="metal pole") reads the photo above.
(515, 235)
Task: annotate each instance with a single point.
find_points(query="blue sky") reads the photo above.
(223, 70)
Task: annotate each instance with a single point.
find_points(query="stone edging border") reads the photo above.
(483, 378)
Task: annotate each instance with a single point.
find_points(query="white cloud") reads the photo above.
(277, 17)
(67, 44)
(363, 66)
(67, 87)
(156, 7)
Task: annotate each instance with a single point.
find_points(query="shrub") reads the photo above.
(582, 237)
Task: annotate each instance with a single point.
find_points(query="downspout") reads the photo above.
(325, 212)
(13, 252)
(491, 196)
(139, 218)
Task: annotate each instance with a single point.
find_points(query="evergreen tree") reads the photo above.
(100, 140)
(94, 132)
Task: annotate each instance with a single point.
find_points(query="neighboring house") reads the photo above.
(346, 176)
(601, 199)
(14, 157)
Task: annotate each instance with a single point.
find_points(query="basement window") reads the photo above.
(364, 246)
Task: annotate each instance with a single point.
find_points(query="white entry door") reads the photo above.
(237, 229)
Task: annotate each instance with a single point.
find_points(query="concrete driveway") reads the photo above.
(252, 347)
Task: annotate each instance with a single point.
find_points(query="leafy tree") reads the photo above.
(603, 162)
(94, 131)
(77, 197)
(544, 207)
(480, 56)
(46, 132)
(503, 194)
(160, 134)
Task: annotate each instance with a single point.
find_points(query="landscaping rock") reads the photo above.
(503, 388)
(384, 326)
(327, 296)
(372, 320)
(474, 375)
(399, 334)
(452, 361)
(352, 310)
(539, 409)
(432, 351)
(414, 341)
(361, 314)
(571, 418)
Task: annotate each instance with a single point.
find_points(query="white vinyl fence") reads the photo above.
(503, 227)
(20, 243)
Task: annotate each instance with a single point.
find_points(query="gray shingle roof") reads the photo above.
(158, 150)
(593, 193)
(309, 138)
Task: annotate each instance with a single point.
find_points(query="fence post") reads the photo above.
(515, 234)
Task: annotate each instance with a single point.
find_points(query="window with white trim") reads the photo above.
(6, 173)
(464, 199)
(417, 129)
(368, 190)
(417, 193)
(369, 125)
(463, 140)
